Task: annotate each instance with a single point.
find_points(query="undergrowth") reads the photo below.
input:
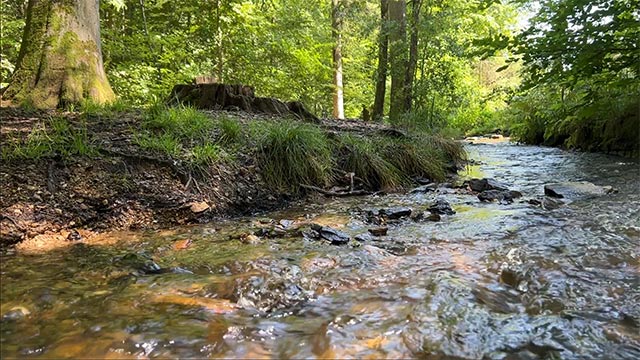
(291, 154)
(54, 136)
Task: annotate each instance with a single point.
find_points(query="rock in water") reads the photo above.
(480, 185)
(441, 207)
(576, 189)
(502, 196)
(336, 237)
(394, 214)
(379, 231)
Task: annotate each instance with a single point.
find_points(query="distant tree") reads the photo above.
(336, 32)
(383, 54)
(60, 59)
(397, 57)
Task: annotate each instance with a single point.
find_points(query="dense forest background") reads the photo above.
(557, 72)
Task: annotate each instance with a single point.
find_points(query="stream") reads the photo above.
(495, 281)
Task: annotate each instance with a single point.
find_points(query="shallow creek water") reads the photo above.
(492, 281)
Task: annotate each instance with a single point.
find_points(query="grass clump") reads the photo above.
(362, 157)
(184, 123)
(230, 130)
(292, 153)
(164, 143)
(55, 136)
(423, 156)
(207, 154)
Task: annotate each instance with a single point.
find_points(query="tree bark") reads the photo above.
(410, 74)
(336, 32)
(383, 50)
(60, 60)
(397, 57)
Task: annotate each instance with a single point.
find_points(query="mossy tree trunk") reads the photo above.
(60, 60)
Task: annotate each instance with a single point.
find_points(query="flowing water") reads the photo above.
(496, 281)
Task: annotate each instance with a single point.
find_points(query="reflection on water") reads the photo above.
(491, 281)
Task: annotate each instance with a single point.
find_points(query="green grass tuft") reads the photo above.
(164, 143)
(207, 154)
(362, 157)
(184, 123)
(292, 153)
(55, 136)
(230, 130)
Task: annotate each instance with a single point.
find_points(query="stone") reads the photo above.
(502, 196)
(433, 217)
(336, 237)
(364, 237)
(441, 207)
(198, 207)
(480, 185)
(396, 213)
(425, 188)
(551, 203)
(574, 189)
(74, 235)
(379, 231)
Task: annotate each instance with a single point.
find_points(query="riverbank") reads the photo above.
(70, 175)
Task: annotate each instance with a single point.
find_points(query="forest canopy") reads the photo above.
(560, 72)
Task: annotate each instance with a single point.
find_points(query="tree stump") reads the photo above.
(215, 96)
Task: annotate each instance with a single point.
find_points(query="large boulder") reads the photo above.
(576, 189)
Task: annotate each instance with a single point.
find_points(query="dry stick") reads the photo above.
(337, 194)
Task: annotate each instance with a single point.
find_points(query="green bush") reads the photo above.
(291, 154)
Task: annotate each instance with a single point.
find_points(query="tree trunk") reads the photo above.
(397, 57)
(336, 32)
(410, 75)
(383, 49)
(60, 60)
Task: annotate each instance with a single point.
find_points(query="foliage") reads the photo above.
(291, 154)
(590, 116)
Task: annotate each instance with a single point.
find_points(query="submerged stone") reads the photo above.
(441, 207)
(480, 185)
(336, 237)
(396, 213)
(502, 196)
(576, 189)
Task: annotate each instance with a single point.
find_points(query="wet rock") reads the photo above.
(142, 264)
(364, 237)
(433, 217)
(74, 235)
(551, 204)
(480, 185)
(336, 237)
(425, 188)
(576, 189)
(502, 196)
(379, 231)
(16, 313)
(510, 277)
(441, 207)
(396, 213)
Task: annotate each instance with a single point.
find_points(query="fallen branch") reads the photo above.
(335, 193)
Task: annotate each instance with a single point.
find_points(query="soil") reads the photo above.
(123, 187)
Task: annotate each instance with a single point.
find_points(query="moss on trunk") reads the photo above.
(60, 59)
